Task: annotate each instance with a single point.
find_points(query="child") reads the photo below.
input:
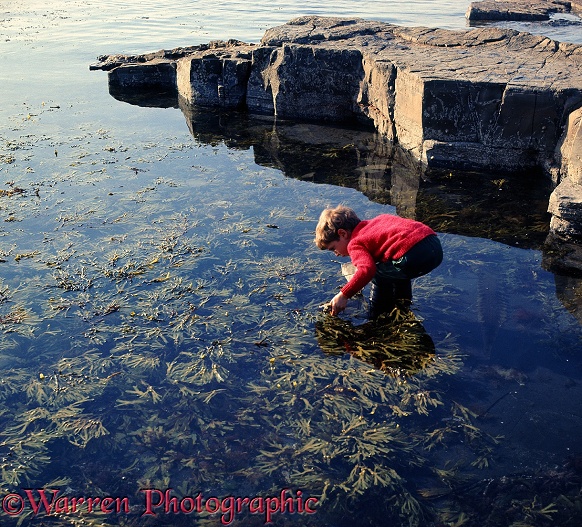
(387, 250)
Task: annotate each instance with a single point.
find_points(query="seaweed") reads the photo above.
(165, 332)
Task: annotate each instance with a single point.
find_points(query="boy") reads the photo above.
(387, 250)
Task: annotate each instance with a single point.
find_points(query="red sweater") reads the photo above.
(380, 239)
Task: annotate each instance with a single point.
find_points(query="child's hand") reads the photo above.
(338, 303)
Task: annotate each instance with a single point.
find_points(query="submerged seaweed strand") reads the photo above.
(349, 404)
(199, 333)
(143, 372)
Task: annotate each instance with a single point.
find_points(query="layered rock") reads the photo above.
(483, 99)
(564, 250)
(520, 10)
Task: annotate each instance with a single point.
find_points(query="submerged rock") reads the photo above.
(486, 98)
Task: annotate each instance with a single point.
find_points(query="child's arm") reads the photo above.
(338, 303)
(365, 271)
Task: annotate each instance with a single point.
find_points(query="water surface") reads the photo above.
(160, 293)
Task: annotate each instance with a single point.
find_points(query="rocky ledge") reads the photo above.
(522, 10)
(486, 98)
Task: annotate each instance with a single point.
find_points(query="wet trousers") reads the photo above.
(392, 282)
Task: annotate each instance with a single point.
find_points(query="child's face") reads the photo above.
(340, 247)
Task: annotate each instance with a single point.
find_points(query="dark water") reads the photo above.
(161, 335)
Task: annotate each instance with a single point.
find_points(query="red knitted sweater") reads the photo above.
(380, 239)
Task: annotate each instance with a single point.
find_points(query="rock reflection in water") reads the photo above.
(569, 292)
(506, 208)
(510, 209)
(491, 305)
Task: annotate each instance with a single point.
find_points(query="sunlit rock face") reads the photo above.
(485, 99)
(482, 98)
(570, 148)
(566, 201)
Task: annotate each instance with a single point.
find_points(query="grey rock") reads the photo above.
(519, 10)
(486, 98)
(213, 81)
(299, 82)
(498, 93)
(157, 74)
(566, 208)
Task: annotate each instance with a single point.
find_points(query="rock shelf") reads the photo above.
(520, 10)
(485, 98)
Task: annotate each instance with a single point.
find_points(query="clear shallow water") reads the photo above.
(160, 292)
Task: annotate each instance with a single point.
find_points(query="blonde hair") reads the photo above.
(330, 221)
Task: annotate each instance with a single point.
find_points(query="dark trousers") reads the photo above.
(393, 279)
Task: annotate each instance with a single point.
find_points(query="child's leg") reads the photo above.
(403, 290)
(381, 299)
(386, 295)
(392, 281)
(425, 256)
